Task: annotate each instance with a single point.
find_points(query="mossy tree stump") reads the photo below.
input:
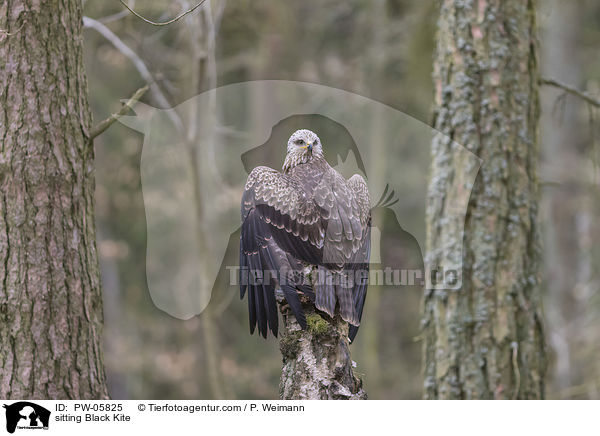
(316, 361)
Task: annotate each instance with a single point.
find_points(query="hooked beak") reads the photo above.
(308, 146)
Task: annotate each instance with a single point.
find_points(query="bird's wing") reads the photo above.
(281, 201)
(279, 218)
(345, 207)
(360, 262)
(326, 226)
(346, 247)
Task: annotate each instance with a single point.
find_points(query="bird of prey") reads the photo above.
(307, 218)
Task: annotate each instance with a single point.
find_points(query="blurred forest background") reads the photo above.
(383, 50)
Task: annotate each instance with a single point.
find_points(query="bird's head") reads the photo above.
(301, 147)
(305, 142)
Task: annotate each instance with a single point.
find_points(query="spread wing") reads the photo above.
(281, 226)
(347, 249)
(309, 216)
(361, 260)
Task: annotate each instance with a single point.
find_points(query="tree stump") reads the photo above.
(316, 361)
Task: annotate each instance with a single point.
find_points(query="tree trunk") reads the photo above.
(566, 260)
(316, 362)
(50, 299)
(486, 340)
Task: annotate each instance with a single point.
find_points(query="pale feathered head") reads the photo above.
(301, 147)
(305, 141)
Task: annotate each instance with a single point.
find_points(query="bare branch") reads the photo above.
(139, 65)
(127, 52)
(571, 90)
(105, 124)
(219, 16)
(166, 23)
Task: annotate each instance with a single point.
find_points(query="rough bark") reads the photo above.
(316, 362)
(50, 299)
(486, 340)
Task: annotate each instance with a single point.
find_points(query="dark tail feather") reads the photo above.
(291, 296)
(251, 312)
(256, 292)
(359, 305)
(307, 290)
(346, 303)
(243, 272)
(269, 293)
(360, 288)
(325, 299)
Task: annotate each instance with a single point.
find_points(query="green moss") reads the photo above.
(316, 324)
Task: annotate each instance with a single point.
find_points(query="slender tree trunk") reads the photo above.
(565, 207)
(377, 170)
(316, 362)
(50, 299)
(486, 339)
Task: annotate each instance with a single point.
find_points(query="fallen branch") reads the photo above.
(105, 124)
(166, 23)
(571, 90)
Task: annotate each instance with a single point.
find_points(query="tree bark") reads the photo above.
(486, 340)
(50, 298)
(316, 362)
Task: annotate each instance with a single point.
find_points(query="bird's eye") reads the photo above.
(299, 141)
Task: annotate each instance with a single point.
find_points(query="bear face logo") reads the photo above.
(24, 414)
